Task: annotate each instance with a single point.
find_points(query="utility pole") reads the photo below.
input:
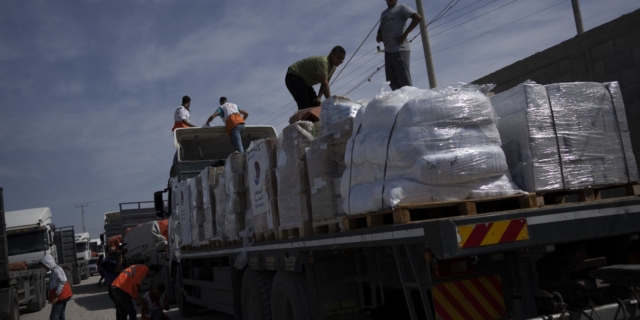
(82, 205)
(577, 15)
(431, 72)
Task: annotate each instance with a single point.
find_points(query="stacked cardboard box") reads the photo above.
(210, 179)
(294, 204)
(196, 210)
(235, 197)
(184, 210)
(262, 187)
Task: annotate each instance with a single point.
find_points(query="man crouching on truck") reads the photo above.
(233, 119)
(125, 288)
(59, 288)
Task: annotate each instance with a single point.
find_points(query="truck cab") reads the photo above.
(83, 250)
(30, 235)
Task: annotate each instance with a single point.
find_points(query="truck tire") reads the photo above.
(85, 272)
(9, 307)
(256, 295)
(37, 304)
(77, 275)
(289, 297)
(187, 309)
(67, 273)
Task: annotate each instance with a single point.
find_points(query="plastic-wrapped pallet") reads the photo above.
(621, 116)
(325, 165)
(337, 114)
(262, 187)
(196, 210)
(589, 141)
(185, 212)
(528, 137)
(294, 204)
(234, 176)
(210, 179)
(439, 145)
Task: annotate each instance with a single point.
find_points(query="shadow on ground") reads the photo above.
(93, 298)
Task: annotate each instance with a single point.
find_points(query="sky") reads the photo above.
(88, 88)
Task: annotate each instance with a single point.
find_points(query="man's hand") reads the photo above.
(319, 101)
(54, 301)
(401, 39)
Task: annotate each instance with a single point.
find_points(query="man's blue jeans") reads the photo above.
(57, 311)
(236, 139)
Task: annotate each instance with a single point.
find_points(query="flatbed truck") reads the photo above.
(531, 260)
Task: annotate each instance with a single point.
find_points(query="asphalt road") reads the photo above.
(92, 302)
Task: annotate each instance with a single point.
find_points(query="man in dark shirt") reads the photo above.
(112, 265)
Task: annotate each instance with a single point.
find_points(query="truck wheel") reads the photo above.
(289, 297)
(85, 273)
(256, 295)
(187, 309)
(77, 275)
(67, 274)
(36, 303)
(9, 307)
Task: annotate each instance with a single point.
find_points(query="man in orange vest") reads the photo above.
(59, 288)
(182, 115)
(125, 288)
(233, 120)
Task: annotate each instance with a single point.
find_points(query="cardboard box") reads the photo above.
(262, 185)
(294, 203)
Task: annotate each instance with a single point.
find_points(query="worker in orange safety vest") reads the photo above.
(125, 288)
(182, 115)
(59, 288)
(233, 119)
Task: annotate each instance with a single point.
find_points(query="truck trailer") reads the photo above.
(516, 257)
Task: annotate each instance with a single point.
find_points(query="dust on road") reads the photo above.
(91, 302)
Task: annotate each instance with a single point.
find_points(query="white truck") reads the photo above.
(25, 235)
(83, 253)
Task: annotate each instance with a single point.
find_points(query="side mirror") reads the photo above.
(158, 203)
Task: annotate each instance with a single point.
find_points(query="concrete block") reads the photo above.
(625, 59)
(562, 78)
(636, 55)
(549, 72)
(599, 70)
(630, 76)
(631, 94)
(565, 66)
(627, 41)
(580, 72)
(603, 50)
(612, 64)
(633, 111)
(608, 78)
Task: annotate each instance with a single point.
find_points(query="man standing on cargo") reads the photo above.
(306, 73)
(125, 288)
(396, 46)
(233, 119)
(182, 115)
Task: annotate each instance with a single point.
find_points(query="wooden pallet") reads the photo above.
(615, 191)
(268, 236)
(326, 226)
(302, 230)
(435, 210)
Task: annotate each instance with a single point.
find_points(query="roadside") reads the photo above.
(92, 302)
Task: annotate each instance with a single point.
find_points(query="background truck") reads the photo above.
(515, 257)
(67, 257)
(25, 287)
(111, 225)
(83, 252)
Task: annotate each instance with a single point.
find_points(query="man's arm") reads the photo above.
(244, 114)
(118, 268)
(324, 89)
(186, 122)
(215, 114)
(379, 35)
(415, 19)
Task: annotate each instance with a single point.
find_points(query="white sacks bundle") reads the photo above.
(417, 146)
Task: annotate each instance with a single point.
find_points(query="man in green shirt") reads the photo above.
(304, 74)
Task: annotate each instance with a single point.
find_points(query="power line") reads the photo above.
(354, 54)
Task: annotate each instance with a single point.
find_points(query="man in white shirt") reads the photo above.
(233, 119)
(182, 115)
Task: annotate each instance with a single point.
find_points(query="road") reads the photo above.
(92, 302)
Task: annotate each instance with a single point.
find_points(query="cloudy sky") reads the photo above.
(88, 87)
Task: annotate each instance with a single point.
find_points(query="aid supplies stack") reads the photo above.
(325, 156)
(262, 187)
(184, 211)
(210, 179)
(197, 211)
(417, 146)
(291, 174)
(565, 136)
(230, 197)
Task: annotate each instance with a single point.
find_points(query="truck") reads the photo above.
(23, 288)
(526, 260)
(111, 225)
(67, 256)
(83, 253)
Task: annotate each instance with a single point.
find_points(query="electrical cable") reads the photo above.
(354, 54)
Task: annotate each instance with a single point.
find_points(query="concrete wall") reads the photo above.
(610, 52)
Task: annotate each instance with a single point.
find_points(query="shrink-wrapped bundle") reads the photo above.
(439, 145)
(262, 185)
(528, 137)
(235, 190)
(184, 210)
(210, 179)
(337, 114)
(621, 117)
(196, 210)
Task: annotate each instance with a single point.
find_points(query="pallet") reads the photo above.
(267, 236)
(615, 191)
(326, 226)
(435, 210)
(302, 230)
